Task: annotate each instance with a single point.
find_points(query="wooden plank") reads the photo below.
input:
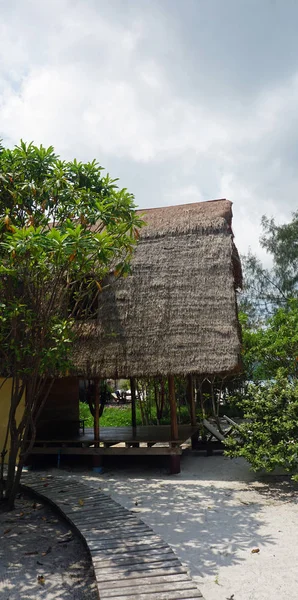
(130, 522)
(213, 430)
(153, 541)
(97, 498)
(152, 434)
(123, 536)
(81, 515)
(53, 485)
(103, 505)
(122, 527)
(145, 570)
(152, 588)
(111, 451)
(137, 587)
(89, 510)
(139, 581)
(143, 556)
(189, 594)
(96, 519)
(122, 549)
(155, 439)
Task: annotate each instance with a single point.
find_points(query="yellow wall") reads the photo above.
(5, 391)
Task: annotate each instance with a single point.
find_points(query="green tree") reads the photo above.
(266, 289)
(63, 227)
(269, 322)
(267, 437)
(273, 346)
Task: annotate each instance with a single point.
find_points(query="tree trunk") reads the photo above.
(20, 445)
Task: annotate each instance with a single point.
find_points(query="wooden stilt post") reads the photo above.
(173, 408)
(133, 407)
(191, 400)
(97, 460)
(174, 458)
(192, 407)
(96, 412)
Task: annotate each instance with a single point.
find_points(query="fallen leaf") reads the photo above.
(39, 563)
(81, 502)
(41, 580)
(6, 531)
(33, 553)
(44, 518)
(255, 550)
(47, 551)
(67, 537)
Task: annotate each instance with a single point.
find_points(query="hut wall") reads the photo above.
(60, 415)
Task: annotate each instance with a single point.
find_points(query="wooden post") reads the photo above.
(191, 400)
(173, 408)
(133, 408)
(96, 412)
(174, 458)
(133, 403)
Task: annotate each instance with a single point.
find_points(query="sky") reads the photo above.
(183, 100)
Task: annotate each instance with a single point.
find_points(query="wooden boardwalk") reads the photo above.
(130, 561)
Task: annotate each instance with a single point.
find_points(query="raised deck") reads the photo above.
(151, 440)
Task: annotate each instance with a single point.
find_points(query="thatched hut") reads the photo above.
(175, 314)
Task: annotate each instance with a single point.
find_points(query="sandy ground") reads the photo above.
(35, 543)
(213, 515)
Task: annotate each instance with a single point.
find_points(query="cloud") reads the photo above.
(142, 93)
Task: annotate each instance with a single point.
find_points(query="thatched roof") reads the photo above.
(176, 313)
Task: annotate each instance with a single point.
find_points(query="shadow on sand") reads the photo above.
(35, 542)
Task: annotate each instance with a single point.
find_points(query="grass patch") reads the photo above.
(120, 416)
(113, 416)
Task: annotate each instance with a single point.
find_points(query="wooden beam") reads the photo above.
(96, 412)
(111, 451)
(191, 400)
(173, 408)
(133, 405)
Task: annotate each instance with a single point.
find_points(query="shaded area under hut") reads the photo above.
(174, 316)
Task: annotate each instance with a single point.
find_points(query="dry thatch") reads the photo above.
(176, 313)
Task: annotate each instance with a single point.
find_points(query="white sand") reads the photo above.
(213, 514)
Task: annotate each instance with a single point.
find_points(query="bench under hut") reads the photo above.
(174, 315)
